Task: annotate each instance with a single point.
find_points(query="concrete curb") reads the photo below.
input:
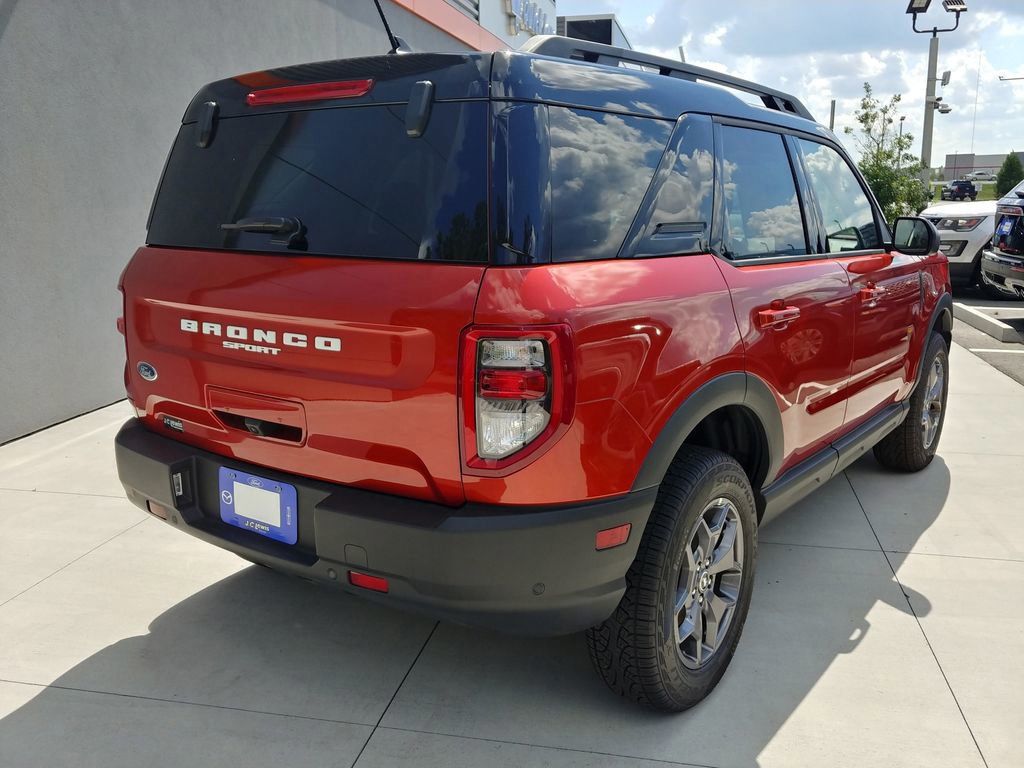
(997, 329)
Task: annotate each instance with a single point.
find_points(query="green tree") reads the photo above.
(1010, 175)
(891, 171)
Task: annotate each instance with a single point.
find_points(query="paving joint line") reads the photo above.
(547, 746)
(814, 546)
(920, 626)
(63, 421)
(66, 493)
(395, 694)
(72, 562)
(183, 702)
(889, 551)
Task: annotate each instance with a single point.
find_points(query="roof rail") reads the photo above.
(597, 53)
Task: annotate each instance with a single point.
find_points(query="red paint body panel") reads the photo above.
(646, 333)
(890, 326)
(806, 361)
(380, 414)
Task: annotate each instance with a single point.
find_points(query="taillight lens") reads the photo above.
(342, 89)
(512, 406)
(517, 391)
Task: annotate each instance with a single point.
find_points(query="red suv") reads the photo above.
(529, 340)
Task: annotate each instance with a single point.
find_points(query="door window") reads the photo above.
(760, 208)
(845, 210)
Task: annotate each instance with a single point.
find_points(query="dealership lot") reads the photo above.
(887, 628)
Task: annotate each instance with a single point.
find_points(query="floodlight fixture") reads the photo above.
(944, 109)
(954, 6)
(918, 6)
(946, 77)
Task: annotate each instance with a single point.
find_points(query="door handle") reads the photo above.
(777, 317)
(871, 295)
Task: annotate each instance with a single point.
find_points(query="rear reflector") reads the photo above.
(364, 580)
(342, 89)
(158, 510)
(612, 537)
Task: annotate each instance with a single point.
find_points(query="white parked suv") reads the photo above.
(966, 229)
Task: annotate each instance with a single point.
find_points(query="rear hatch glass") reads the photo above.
(353, 178)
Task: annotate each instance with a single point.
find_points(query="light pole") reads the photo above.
(931, 103)
(899, 145)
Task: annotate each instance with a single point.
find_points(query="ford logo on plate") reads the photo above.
(146, 371)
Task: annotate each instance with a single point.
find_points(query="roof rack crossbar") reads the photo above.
(560, 47)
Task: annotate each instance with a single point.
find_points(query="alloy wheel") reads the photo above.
(710, 578)
(931, 413)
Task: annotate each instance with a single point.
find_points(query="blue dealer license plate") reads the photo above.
(257, 504)
(1005, 225)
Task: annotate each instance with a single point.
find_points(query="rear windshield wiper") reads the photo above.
(289, 230)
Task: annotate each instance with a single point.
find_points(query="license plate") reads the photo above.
(1005, 225)
(257, 504)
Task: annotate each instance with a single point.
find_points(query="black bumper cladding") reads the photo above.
(525, 570)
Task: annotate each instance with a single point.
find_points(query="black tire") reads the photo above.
(908, 448)
(636, 651)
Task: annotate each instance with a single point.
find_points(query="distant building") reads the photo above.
(597, 29)
(960, 164)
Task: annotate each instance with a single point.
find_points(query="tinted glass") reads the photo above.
(351, 176)
(680, 214)
(760, 207)
(601, 166)
(845, 210)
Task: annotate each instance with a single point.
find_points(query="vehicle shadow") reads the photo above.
(257, 641)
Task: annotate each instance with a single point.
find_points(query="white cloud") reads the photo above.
(827, 51)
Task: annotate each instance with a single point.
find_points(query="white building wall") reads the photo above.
(92, 94)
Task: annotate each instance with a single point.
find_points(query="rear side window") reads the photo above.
(761, 213)
(353, 178)
(601, 166)
(845, 210)
(676, 216)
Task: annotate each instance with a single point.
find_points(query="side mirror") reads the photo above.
(915, 236)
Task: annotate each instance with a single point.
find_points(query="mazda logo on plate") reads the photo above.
(146, 371)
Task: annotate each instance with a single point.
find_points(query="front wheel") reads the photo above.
(912, 445)
(687, 593)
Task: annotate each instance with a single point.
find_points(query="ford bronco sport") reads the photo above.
(529, 340)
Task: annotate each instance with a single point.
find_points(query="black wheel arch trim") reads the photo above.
(729, 389)
(941, 321)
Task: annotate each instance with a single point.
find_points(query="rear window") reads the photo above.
(351, 176)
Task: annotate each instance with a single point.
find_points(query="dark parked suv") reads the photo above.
(959, 190)
(529, 340)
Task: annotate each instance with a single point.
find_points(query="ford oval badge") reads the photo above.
(146, 371)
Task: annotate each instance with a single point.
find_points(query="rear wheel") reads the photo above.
(687, 593)
(912, 445)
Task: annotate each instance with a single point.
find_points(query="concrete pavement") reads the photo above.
(887, 628)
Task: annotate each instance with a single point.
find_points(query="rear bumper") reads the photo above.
(1003, 272)
(522, 570)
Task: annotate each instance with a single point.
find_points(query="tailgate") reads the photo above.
(338, 369)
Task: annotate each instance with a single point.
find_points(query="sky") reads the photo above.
(827, 49)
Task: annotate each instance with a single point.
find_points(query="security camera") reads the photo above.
(945, 109)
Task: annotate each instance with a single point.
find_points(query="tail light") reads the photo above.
(517, 393)
(341, 89)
